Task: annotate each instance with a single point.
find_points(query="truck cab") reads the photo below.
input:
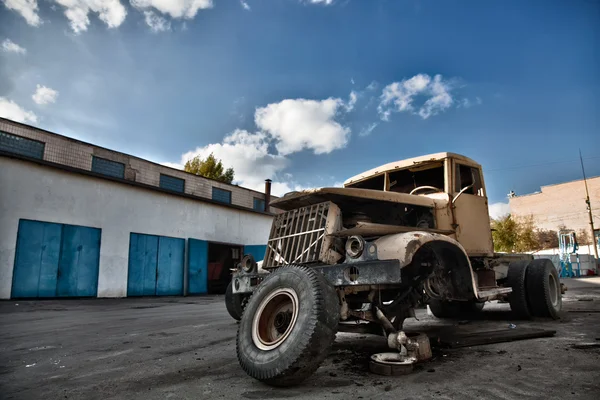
(455, 184)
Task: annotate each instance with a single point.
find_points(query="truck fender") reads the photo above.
(457, 269)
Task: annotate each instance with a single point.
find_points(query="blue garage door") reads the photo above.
(155, 265)
(56, 260)
(258, 251)
(197, 266)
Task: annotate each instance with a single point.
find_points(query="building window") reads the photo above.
(108, 167)
(224, 196)
(259, 204)
(20, 145)
(172, 183)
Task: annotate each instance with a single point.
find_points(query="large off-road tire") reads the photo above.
(455, 309)
(288, 326)
(234, 303)
(517, 274)
(543, 289)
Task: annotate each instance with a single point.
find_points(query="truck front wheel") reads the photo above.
(543, 289)
(288, 326)
(234, 303)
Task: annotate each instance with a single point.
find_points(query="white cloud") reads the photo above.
(352, 101)
(366, 131)
(44, 95)
(247, 153)
(372, 86)
(156, 22)
(498, 210)
(292, 125)
(297, 124)
(400, 96)
(245, 5)
(27, 8)
(323, 2)
(440, 100)
(11, 110)
(175, 8)
(11, 47)
(111, 12)
(173, 165)
(466, 103)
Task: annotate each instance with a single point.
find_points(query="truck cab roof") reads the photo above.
(408, 163)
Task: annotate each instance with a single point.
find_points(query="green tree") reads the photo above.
(547, 239)
(504, 233)
(211, 167)
(526, 237)
(514, 235)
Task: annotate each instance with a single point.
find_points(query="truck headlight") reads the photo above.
(248, 264)
(355, 245)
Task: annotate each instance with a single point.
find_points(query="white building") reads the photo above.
(80, 220)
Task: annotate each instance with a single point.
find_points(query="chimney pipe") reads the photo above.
(267, 194)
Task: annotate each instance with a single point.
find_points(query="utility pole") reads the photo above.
(589, 208)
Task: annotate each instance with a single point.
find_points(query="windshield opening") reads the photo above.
(406, 180)
(375, 183)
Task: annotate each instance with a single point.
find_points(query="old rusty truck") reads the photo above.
(363, 257)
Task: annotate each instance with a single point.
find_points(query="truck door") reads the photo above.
(470, 208)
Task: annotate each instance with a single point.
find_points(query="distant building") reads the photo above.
(560, 205)
(79, 220)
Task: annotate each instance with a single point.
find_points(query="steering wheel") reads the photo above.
(418, 189)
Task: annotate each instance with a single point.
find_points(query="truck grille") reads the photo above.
(301, 236)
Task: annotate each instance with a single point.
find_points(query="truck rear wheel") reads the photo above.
(517, 272)
(288, 326)
(543, 289)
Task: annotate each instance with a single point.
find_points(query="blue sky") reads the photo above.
(308, 93)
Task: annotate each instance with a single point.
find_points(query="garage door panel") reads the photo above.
(170, 266)
(49, 260)
(149, 265)
(68, 263)
(143, 253)
(87, 277)
(197, 266)
(36, 259)
(79, 259)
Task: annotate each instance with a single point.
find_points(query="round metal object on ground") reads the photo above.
(424, 351)
(391, 364)
(275, 319)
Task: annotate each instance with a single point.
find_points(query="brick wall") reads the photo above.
(66, 151)
(561, 204)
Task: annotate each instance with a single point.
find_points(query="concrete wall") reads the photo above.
(32, 191)
(561, 204)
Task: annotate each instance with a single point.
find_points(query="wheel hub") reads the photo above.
(275, 318)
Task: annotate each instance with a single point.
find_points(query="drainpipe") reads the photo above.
(267, 194)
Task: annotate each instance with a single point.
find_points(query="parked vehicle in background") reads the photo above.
(405, 234)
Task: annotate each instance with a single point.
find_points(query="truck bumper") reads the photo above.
(375, 272)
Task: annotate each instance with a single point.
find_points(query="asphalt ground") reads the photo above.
(184, 348)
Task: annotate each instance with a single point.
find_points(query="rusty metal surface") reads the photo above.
(302, 236)
(455, 340)
(314, 196)
(371, 229)
(364, 273)
(390, 364)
